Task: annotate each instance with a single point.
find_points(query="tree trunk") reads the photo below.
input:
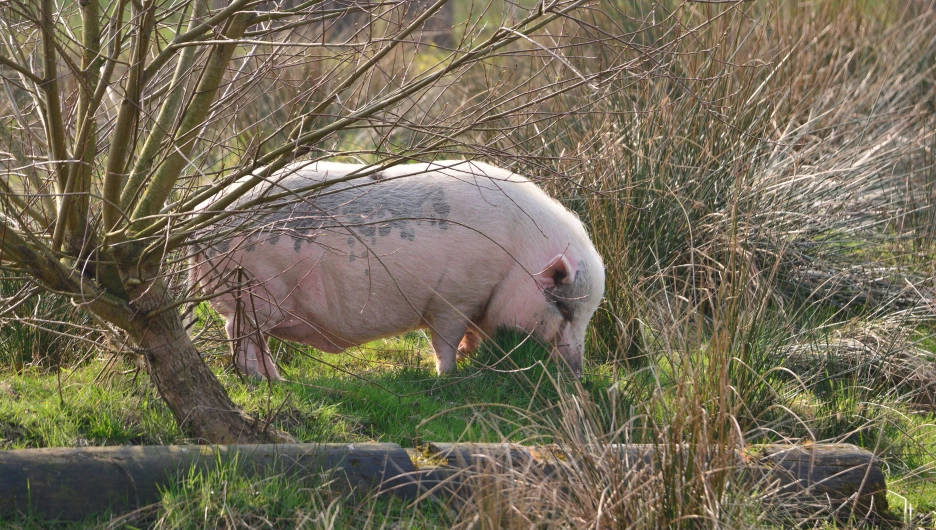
(196, 398)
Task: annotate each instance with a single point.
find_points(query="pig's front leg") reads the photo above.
(445, 338)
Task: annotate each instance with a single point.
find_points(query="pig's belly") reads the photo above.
(334, 304)
(341, 317)
(311, 335)
(327, 341)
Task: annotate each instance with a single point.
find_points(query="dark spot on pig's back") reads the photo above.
(442, 210)
(215, 248)
(371, 208)
(379, 210)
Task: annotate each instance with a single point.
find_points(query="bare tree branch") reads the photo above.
(123, 119)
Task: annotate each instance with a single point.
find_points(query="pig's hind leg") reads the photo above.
(249, 349)
(445, 339)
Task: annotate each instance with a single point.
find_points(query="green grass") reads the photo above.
(389, 392)
(43, 328)
(382, 392)
(225, 497)
(395, 396)
(35, 412)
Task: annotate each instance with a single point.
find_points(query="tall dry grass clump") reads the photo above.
(768, 189)
(798, 151)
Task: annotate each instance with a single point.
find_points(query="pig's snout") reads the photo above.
(572, 355)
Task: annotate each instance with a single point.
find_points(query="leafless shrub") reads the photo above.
(121, 117)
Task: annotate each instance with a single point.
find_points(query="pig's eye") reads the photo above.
(564, 309)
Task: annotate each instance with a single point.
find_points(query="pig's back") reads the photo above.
(448, 200)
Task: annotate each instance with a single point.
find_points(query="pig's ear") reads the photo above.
(558, 271)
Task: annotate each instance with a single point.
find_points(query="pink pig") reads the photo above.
(458, 248)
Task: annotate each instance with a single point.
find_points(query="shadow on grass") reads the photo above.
(392, 394)
(386, 392)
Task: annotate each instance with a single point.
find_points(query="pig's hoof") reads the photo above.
(447, 368)
(260, 377)
(273, 376)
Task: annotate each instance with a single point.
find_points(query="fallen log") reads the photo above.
(72, 483)
(835, 479)
(843, 478)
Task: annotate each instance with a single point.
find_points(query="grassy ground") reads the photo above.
(388, 392)
(383, 392)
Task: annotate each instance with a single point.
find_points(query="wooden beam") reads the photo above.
(841, 477)
(812, 479)
(72, 483)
